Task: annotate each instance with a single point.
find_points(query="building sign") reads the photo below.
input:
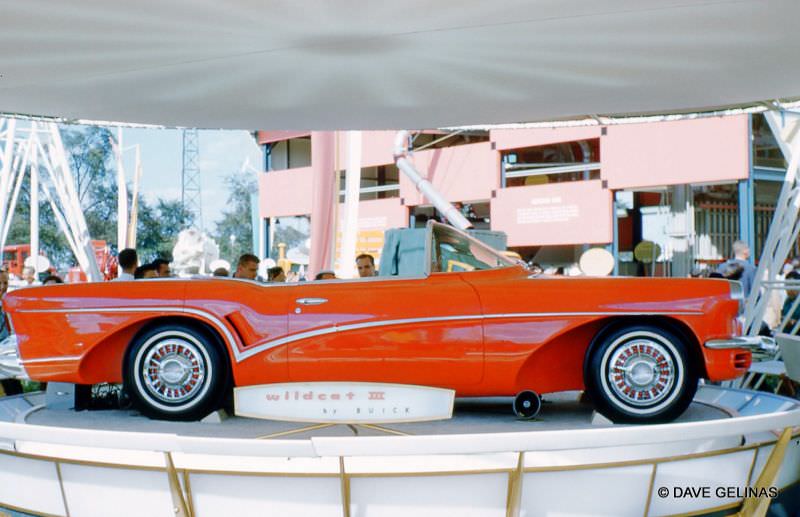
(577, 212)
(547, 209)
(344, 402)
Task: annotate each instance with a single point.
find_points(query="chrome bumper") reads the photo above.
(762, 344)
(10, 363)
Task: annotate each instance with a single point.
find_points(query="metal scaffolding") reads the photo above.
(36, 148)
(191, 199)
(783, 231)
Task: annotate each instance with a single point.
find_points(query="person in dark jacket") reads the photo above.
(741, 254)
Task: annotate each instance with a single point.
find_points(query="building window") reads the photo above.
(553, 163)
(289, 154)
(441, 139)
(766, 151)
(379, 182)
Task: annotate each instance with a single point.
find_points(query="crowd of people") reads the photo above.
(246, 268)
(130, 269)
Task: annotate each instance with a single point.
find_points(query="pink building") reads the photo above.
(552, 191)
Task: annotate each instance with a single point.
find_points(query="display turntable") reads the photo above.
(483, 461)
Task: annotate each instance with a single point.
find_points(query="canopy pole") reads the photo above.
(351, 200)
(34, 165)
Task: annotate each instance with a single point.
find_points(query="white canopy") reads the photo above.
(324, 64)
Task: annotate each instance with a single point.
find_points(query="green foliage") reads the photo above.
(236, 221)
(157, 228)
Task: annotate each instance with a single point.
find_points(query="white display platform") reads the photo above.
(87, 464)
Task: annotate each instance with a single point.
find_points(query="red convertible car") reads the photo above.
(474, 321)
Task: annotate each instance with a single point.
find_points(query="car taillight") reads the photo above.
(737, 293)
(742, 360)
(738, 325)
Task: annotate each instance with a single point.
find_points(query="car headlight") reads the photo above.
(737, 291)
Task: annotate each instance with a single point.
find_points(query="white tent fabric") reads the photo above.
(325, 64)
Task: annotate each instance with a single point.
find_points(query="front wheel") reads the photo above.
(640, 374)
(175, 372)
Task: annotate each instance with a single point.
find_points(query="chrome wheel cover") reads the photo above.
(173, 370)
(642, 372)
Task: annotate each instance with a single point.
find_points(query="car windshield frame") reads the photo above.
(434, 226)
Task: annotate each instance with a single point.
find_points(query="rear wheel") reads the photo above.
(640, 374)
(175, 372)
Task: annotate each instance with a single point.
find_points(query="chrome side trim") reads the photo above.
(242, 355)
(599, 313)
(344, 328)
(61, 358)
(764, 344)
(227, 335)
(101, 309)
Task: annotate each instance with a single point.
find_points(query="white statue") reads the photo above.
(193, 253)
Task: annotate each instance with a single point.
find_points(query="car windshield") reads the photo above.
(452, 250)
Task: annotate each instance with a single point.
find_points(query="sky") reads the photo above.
(220, 153)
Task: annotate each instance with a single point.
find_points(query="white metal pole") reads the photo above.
(347, 260)
(62, 223)
(6, 164)
(72, 205)
(17, 174)
(423, 185)
(137, 176)
(122, 194)
(34, 164)
(53, 180)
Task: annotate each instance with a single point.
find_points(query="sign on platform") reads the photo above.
(344, 402)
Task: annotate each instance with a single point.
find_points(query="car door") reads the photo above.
(424, 331)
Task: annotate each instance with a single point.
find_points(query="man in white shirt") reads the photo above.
(128, 261)
(29, 276)
(247, 267)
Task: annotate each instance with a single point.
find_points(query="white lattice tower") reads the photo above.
(29, 144)
(783, 230)
(191, 198)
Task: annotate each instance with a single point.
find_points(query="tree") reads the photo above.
(92, 162)
(237, 220)
(158, 226)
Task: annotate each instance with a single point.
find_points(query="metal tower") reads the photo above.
(36, 148)
(191, 199)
